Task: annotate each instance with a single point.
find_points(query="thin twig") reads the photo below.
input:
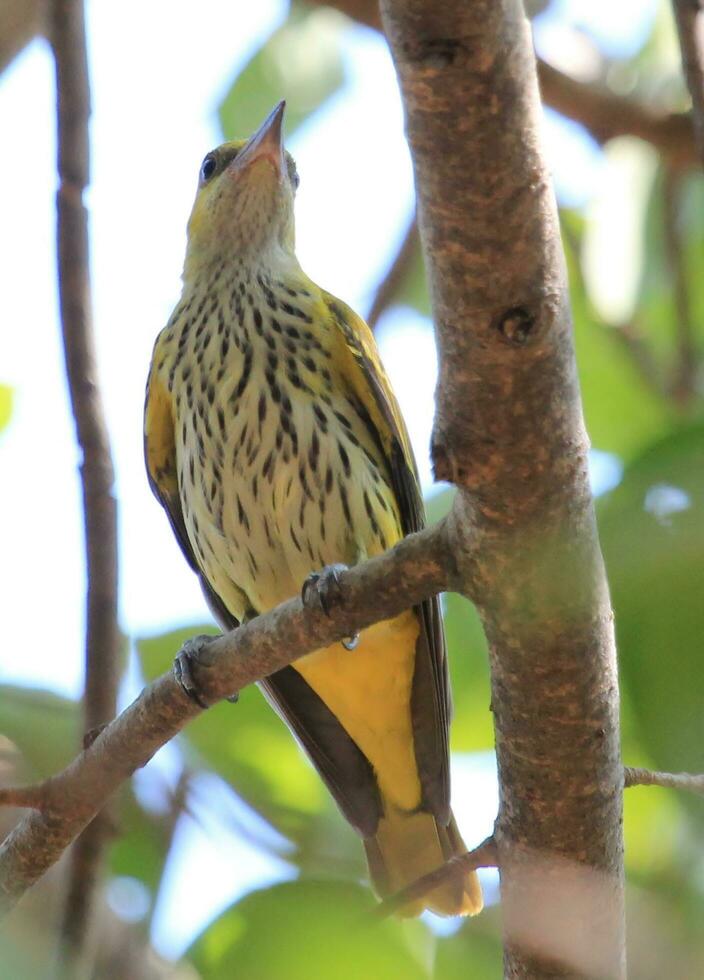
(689, 17)
(419, 566)
(635, 344)
(97, 477)
(393, 279)
(693, 783)
(482, 856)
(683, 387)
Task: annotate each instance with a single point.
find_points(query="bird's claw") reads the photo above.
(183, 667)
(323, 589)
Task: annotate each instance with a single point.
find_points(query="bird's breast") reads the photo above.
(280, 471)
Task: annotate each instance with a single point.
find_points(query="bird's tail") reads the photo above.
(407, 846)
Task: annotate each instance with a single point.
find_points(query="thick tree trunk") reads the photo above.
(509, 434)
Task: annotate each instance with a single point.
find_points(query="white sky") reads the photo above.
(158, 70)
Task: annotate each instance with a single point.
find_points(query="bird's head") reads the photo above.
(244, 201)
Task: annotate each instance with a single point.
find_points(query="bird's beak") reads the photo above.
(266, 144)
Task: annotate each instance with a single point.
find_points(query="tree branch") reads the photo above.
(509, 433)
(482, 856)
(605, 114)
(393, 279)
(683, 388)
(672, 780)
(419, 566)
(689, 17)
(20, 22)
(97, 477)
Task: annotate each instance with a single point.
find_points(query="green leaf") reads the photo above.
(301, 62)
(472, 724)
(141, 846)
(412, 290)
(305, 930)
(252, 749)
(5, 405)
(652, 531)
(475, 950)
(438, 504)
(622, 412)
(45, 727)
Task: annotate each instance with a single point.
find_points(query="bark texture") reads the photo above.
(509, 433)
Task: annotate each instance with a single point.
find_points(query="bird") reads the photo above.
(276, 446)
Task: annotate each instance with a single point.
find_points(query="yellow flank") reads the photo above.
(369, 690)
(275, 444)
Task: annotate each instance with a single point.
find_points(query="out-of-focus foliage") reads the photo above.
(652, 531)
(5, 405)
(308, 930)
(43, 726)
(301, 62)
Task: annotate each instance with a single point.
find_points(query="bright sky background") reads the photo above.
(158, 71)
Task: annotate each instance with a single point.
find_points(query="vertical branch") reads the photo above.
(509, 433)
(683, 388)
(99, 506)
(689, 17)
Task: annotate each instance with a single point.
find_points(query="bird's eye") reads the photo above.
(295, 180)
(208, 167)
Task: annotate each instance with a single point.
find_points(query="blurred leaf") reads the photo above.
(652, 531)
(305, 930)
(301, 62)
(472, 723)
(622, 412)
(141, 846)
(5, 405)
(649, 815)
(413, 289)
(438, 504)
(613, 231)
(690, 219)
(45, 727)
(251, 748)
(475, 950)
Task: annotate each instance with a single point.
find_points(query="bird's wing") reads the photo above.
(342, 766)
(160, 458)
(431, 706)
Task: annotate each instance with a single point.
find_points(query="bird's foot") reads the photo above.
(323, 589)
(188, 655)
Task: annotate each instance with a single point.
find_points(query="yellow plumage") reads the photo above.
(276, 446)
